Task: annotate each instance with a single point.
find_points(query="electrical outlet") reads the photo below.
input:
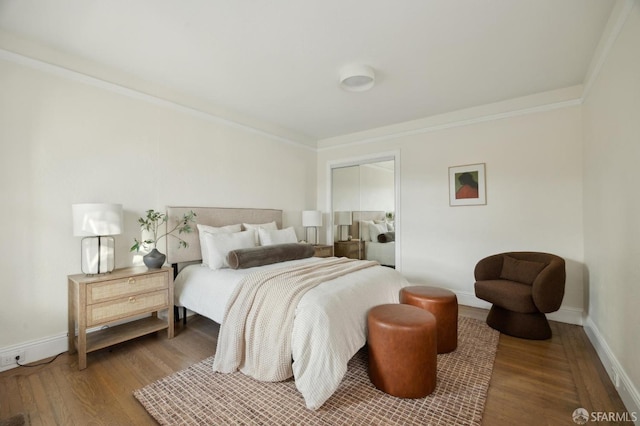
(9, 358)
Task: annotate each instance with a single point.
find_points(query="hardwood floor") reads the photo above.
(533, 382)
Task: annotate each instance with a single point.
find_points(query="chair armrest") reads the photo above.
(488, 268)
(548, 287)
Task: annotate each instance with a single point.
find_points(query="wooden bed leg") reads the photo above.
(184, 315)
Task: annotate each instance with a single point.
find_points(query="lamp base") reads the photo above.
(315, 235)
(341, 236)
(97, 255)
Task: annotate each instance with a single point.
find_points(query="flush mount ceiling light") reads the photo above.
(357, 78)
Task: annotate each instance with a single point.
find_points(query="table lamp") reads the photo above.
(342, 219)
(312, 219)
(96, 222)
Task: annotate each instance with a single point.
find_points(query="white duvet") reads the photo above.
(384, 253)
(330, 319)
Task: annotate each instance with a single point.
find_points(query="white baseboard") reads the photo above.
(564, 314)
(36, 350)
(47, 347)
(470, 299)
(626, 389)
(567, 315)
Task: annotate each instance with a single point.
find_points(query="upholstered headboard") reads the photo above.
(213, 216)
(357, 216)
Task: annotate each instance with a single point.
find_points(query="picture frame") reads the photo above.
(467, 185)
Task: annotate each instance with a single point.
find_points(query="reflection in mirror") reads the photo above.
(367, 192)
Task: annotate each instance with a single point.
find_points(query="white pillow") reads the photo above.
(256, 226)
(376, 229)
(389, 223)
(364, 230)
(269, 237)
(220, 244)
(202, 229)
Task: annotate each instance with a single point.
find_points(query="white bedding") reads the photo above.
(330, 320)
(384, 253)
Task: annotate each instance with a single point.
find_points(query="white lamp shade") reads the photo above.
(342, 218)
(93, 219)
(311, 218)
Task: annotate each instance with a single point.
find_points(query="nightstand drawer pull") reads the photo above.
(126, 286)
(114, 310)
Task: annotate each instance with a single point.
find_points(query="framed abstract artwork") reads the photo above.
(467, 185)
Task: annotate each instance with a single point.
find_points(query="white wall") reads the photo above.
(534, 196)
(377, 188)
(66, 142)
(346, 189)
(365, 187)
(612, 207)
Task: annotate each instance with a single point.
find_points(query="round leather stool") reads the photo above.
(443, 304)
(402, 350)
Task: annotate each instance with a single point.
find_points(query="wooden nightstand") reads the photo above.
(101, 300)
(321, 250)
(353, 249)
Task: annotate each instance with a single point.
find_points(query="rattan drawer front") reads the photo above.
(121, 308)
(99, 292)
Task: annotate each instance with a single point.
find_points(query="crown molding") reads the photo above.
(617, 19)
(83, 78)
(448, 121)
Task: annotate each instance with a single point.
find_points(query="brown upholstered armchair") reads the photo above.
(522, 286)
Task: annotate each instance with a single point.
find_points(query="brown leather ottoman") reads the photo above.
(443, 304)
(402, 350)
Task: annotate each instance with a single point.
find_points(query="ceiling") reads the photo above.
(278, 61)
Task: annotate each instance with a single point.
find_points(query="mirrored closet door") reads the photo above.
(363, 208)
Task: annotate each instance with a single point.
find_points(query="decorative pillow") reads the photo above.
(376, 229)
(387, 237)
(256, 226)
(522, 271)
(219, 245)
(202, 229)
(387, 222)
(269, 237)
(364, 230)
(266, 255)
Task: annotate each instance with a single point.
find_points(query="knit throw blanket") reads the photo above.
(255, 336)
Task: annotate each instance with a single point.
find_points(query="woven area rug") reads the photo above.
(198, 396)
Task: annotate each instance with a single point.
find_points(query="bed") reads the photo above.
(382, 252)
(329, 324)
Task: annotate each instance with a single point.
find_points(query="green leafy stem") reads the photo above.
(152, 223)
